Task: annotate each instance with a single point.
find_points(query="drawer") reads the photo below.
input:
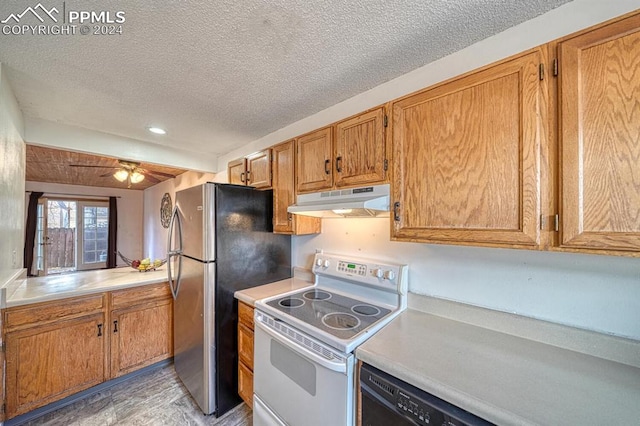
(245, 384)
(142, 294)
(245, 345)
(245, 314)
(57, 310)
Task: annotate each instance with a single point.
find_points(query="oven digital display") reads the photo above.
(352, 268)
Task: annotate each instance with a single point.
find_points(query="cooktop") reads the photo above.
(338, 315)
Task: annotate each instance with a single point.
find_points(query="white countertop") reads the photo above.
(250, 295)
(507, 379)
(52, 287)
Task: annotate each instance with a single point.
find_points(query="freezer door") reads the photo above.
(194, 332)
(196, 207)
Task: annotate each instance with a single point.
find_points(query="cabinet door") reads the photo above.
(245, 345)
(314, 163)
(237, 172)
(259, 169)
(600, 138)
(360, 150)
(466, 158)
(47, 363)
(245, 384)
(284, 194)
(140, 335)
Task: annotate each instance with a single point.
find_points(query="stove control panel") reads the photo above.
(353, 268)
(390, 276)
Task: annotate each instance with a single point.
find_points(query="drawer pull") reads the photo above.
(115, 326)
(99, 330)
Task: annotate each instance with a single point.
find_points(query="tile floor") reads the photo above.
(154, 398)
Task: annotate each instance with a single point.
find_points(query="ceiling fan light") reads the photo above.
(121, 175)
(137, 177)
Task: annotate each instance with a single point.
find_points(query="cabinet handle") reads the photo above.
(99, 330)
(327, 168)
(289, 218)
(115, 326)
(339, 164)
(248, 176)
(242, 177)
(396, 213)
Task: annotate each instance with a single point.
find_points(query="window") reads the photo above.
(94, 235)
(71, 235)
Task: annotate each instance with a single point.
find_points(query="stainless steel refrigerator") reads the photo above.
(220, 241)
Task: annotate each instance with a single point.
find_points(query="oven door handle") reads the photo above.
(340, 367)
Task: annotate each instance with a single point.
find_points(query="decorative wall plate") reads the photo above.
(165, 210)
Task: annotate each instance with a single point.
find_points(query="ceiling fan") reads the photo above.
(129, 171)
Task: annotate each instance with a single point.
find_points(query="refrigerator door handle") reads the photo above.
(175, 219)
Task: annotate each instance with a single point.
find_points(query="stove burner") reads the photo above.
(291, 302)
(366, 310)
(317, 295)
(340, 321)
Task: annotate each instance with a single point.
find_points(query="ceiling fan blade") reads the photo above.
(89, 165)
(169, 175)
(107, 174)
(151, 178)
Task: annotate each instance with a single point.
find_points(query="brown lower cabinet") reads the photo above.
(55, 349)
(245, 353)
(141, 328)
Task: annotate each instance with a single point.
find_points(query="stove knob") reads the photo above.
(377, 273)
(326, 264)
(389, 275)
(318, 262)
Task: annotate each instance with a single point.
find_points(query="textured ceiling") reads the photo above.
(55, 166)
(220, 74)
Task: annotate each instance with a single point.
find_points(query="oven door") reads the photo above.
(294, 384)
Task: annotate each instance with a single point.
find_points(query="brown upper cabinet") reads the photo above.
(252, 170)
(466, 158)
(360, 156)
(284, 194)
(350, 153)
(599, 132)
(314, 163)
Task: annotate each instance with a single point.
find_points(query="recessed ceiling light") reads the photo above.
(157, 130)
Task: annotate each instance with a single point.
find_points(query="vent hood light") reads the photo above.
(157, 130)
(370, 201)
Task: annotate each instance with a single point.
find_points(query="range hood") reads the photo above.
(367, 201)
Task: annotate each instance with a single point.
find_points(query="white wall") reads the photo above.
(12, 172)
(129, 211)
(155, 236)
(594, 292)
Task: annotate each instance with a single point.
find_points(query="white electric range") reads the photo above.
(304, 340)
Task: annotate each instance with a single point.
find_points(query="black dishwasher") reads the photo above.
(387, 401)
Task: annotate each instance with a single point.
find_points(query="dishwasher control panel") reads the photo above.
(388, 400)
